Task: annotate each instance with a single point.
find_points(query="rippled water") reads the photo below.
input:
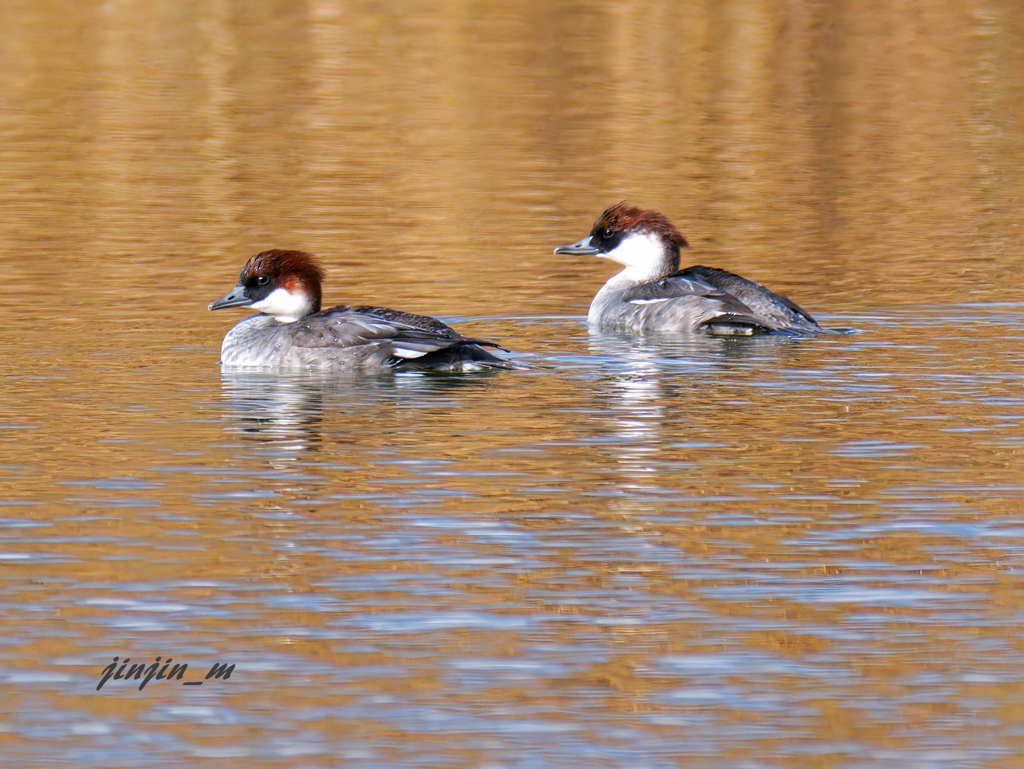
(759, 550)
(640, 552)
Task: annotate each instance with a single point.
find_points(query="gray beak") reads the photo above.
(234, 298)
(580, 248)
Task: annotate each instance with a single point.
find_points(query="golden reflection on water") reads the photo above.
(640, 551)
(848, 155)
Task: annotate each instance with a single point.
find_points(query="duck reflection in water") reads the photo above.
(282, 411)
(644, 382)
(294, 413)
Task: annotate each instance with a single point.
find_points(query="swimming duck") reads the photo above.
(653, 294)
(292, 332)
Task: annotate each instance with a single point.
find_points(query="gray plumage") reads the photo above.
(293, 333)
(653, 294)
(355, 337)
(701, 297)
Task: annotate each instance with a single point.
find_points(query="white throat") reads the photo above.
(285, 306)
(644, 256)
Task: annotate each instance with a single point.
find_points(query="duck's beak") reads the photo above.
(580, 248)
(234, 298)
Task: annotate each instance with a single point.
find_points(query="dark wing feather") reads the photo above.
(692, 297)
(672, 287)
(407, 320)
(773, 309)
(351, 326)
(389, 337)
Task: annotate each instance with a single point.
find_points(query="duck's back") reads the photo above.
(772, 310)
(354, 337)
(700, 298)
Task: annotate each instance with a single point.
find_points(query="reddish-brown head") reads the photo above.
(624, 219)
(285, 284)
(645, 241)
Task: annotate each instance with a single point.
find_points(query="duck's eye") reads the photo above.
(607, 233)
(262, 280)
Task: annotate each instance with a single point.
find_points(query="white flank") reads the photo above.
(649, 301)
(401, 352)
(285, 306)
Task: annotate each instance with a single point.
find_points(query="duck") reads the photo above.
(290, 331)
(653, 294)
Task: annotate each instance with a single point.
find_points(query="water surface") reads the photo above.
(641, 552)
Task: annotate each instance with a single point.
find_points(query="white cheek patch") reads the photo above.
(285, 306)
(643, 254)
